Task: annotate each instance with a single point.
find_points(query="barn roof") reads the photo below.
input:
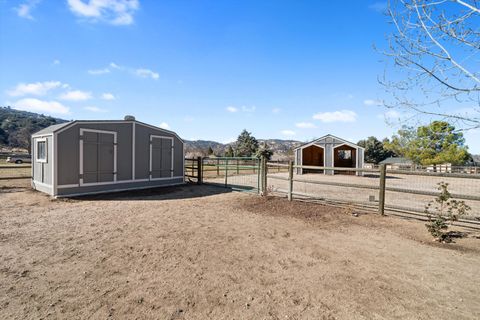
(57, 127)
(331, 136)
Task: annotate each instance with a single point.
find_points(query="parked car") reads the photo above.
(20, 158)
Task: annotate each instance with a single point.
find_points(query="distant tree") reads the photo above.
(246, 145)
(433, 144)
(3, 137)
(374, 150)
(229, 152)
(210, 151)
(264, 151)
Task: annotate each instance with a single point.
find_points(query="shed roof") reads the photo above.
(57, 127)
(332, 136)
(51, 129)
(396, 160)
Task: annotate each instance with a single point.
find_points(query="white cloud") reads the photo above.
(336, 116)
(288, 133)
(96, 72)
(242, 109)
(249, 109)
(37, 88)
(36, 105)
(139, 72)
(372, 102)
(56, 62)
(305, 125)
(115, 12)
(164, 125)
(107, 96)
(276, 110)
(114, 65)
(76, 95)
(24, 10)
(146, 73)
(95, 109)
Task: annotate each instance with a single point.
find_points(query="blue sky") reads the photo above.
(206, 69)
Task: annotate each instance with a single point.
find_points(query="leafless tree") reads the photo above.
(436, 46)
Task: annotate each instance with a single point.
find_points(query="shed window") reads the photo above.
(345, 154)
(42, 151)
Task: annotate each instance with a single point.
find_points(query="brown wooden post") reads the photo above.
(218, 167)
(263, 174)
(199, 170)
(226, 173)
(381, 196)
(290, 181)
(237, 167)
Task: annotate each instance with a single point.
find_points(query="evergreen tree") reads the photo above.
(375, 150)
(264, 151)
(246, 145)
(433, 144)
(229, 152)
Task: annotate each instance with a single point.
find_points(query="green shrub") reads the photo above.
(444, 211)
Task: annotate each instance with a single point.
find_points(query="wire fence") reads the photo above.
(239, 173)
(394, 191)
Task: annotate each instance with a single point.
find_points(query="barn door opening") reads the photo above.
(97, 156)
(161, 157)
(344, 156)
(313, 156)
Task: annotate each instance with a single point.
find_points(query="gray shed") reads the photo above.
(329, 151)
(88, 157)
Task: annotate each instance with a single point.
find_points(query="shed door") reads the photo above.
(161, 151)
(98, 157)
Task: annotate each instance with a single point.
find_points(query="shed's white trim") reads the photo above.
(42, 135)
(65, 186)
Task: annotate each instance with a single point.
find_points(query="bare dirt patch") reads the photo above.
(203, 253)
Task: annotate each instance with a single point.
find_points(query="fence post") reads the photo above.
(290, 180)
(199, 170)
(226, 173)
(237, 167)
(263, 174)
(218, 167)
(381, 196)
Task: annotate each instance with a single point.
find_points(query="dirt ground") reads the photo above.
(204, 253)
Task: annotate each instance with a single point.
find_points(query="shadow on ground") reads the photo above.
(187, 191)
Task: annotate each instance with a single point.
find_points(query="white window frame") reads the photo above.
(46, 150)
